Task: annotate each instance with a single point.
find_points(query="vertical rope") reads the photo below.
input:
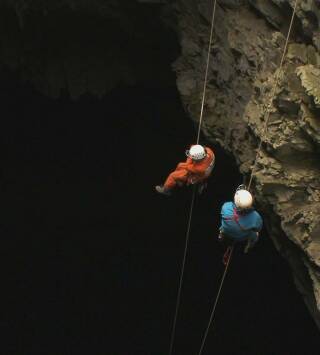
(194, 188)
(207, 70)
(211, 319)
(182, 272)
(268, 110)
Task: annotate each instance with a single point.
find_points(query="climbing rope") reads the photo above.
(211, 319)
(268, 109)
(267, 113)
(182, 271)
(207, 70)
(194, 188)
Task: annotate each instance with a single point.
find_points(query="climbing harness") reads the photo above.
(194, 187)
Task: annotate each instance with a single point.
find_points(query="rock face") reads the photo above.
(248, 45)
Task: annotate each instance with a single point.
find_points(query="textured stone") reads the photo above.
(269, 10)
(310, 123)
(310, 79)
(298, 51)
(286, 105)
(316, 40)
(287, 173)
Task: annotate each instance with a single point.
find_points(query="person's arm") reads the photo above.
(199, 168)
(194, 168)
(185, 164)
(253, 236)
(259, 223)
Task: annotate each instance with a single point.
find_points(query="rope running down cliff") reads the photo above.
(194, 188)
(216, 302)
(268, 109)
(211, 319)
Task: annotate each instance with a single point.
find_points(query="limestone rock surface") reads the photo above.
(248, 44)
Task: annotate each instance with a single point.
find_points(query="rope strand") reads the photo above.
(267, 112)
(182, 272)
(207, 70)
(211, 319)
(194, 188)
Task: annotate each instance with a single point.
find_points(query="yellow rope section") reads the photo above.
(268, 109)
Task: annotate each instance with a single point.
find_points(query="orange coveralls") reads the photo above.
(191, 172)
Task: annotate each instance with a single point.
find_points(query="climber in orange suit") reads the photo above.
(196, 169)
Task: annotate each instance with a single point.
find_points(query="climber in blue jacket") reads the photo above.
(239, 221)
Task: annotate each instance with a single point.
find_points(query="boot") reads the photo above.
(162, 190)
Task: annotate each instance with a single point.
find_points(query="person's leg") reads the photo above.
(177, 177)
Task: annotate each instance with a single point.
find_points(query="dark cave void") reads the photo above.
(87, 49)
(92, 253)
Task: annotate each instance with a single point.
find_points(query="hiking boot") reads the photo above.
(162, 190)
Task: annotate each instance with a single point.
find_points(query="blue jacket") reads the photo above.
(238, 226)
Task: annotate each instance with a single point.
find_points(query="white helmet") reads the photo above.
(243, 199)
(196, 152)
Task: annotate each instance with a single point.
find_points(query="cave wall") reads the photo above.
(248, 44)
